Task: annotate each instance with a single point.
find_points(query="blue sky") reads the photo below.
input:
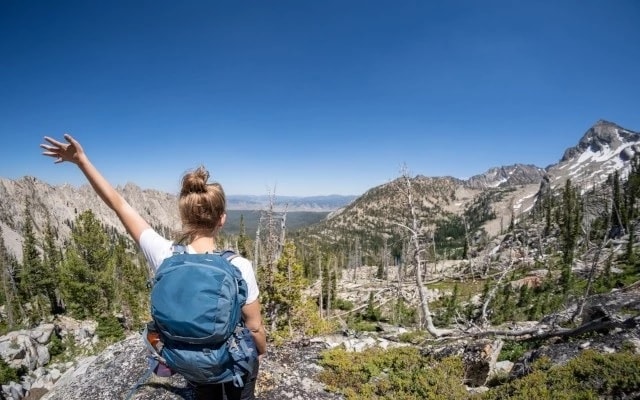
(310, 97)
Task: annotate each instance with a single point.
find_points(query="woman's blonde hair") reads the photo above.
(201, 205)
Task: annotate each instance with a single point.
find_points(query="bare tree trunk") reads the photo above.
(268, 250)
(355, 259)
(492, 292)
(435, 257)
(385, 261)
(289, 280)
(321, 299)
(417, 258)
(256, 251)
(592, 271)
(283, 231)
(330, 272)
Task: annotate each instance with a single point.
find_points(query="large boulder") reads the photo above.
(20, 349)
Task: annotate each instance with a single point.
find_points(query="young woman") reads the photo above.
(202, 212)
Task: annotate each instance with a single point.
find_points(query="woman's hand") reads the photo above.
(71, 152)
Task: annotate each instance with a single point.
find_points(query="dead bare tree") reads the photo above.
(355, 259)
(256, 250)
(594, 266)
(416, 249)
(269, 247)
(492, 293)
(273, 224)
(321, 300)
(330, 275)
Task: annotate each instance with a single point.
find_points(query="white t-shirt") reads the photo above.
(156, 249)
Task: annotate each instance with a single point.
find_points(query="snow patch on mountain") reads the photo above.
(604, 149)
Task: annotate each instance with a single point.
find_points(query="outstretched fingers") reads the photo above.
(50, 152)
(59, 150)
(54, 142)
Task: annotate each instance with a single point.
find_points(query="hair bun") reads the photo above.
(195, 181)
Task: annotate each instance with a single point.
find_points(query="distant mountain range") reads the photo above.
(603, 149)
(290, 203)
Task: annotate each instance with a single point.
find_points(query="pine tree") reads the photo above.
(130, 293)
(573, 219)
(371, 313)
(569, 227)
(91, 241)
(329, 282)
(80, 287)
(632, 191)
(86, 271)
(244, 245)
(31, 277)
(618, 216)
(289, 282)
(50, 263)
(548, 205)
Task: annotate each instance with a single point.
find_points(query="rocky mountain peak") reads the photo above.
(602, 135)
(504, 176)
(603, 149)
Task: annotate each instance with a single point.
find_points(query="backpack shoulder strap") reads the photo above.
(228, 255)
(178, 249)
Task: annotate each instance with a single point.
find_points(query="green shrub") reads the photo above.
(400, 373)
(7, 374)
(363, 326)
(404, 374)
(403, 313)
(342, 304)
(56, 346)
(512, 350)
(109, 329)
(592, 375)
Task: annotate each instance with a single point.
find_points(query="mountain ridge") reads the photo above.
(498, 195)
(603, 148)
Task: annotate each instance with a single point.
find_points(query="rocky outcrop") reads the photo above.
(287, 372)
(507, 176)
(120, 370)
(27, 349)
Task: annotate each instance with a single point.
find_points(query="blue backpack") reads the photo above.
(196, 303)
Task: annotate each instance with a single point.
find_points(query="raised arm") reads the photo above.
(73, 152)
